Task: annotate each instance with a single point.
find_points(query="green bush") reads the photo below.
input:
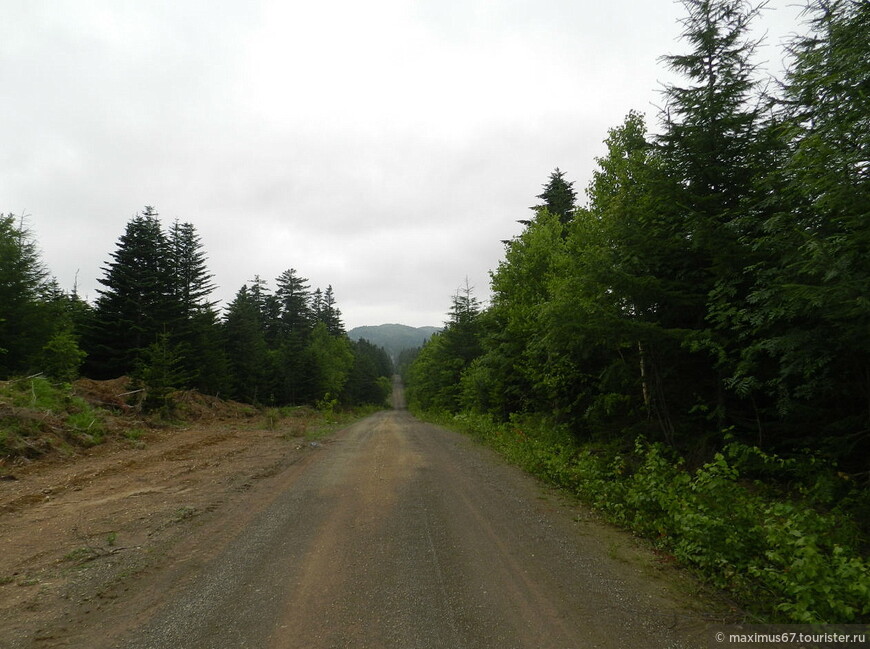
(87, 427)
(62, 357)
(38, 393)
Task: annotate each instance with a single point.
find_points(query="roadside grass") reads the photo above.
(785, 537)
(38, 417)
(333, 420)
(309, 423)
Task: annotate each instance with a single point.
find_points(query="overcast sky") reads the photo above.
(383, 147)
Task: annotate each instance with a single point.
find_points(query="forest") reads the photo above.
(154, 322)
(689, 347)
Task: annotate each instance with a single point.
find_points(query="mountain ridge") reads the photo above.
(393, 337)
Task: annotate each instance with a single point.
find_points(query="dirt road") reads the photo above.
(391, 533)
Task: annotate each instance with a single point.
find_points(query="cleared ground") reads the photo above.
(389, 533)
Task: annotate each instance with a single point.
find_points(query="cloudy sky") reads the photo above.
(383, 147)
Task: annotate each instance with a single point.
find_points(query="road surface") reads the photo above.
(399, 534)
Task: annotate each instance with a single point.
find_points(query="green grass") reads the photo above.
(87, 426)
(308, 423)
(330, 421)
(40, 416)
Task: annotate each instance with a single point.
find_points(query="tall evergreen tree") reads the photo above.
(804, 324)
(246, 349)
(326, 311)
(710, 153)
(137, 303)
(22, 278)
(438, 368)
(196, 330)
(192, 282)
(293, 294)
(294, 367)
(559, 197)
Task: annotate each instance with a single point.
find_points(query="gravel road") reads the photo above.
(397, 533)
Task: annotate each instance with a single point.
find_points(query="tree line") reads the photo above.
(154, 320)
(714, 284)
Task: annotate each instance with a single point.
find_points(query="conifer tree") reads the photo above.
(293, 296)
(160, 369)
(438, 368)
(192, 282)
(246, 349)
(22, 278)
(710, 155)
(804, 355)
(367, 381)
(326, 311)
(196, 329)
(137, 303)
(559, 197)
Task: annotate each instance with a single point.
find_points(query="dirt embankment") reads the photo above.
(75, 531)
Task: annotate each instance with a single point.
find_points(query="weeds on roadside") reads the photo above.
(40, 416)
(91, 549)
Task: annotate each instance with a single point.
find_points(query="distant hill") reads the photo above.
(393, 337)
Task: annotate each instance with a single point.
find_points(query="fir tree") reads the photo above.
(22, 279)
(192, 283)
(293, 295)
(195, 329)
(559, 197)
(327, 312)
(246, 350)
(137, 303)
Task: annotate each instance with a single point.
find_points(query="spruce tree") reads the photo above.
(246, 350)
(803, 327)
(367, 381)
(137, 303)
(22, 279)
(326, 311)
(559, 197)
(196, 328)
(293, 296)
(710, 154)
(438, 368)
(192, 282)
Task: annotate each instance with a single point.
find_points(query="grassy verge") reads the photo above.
(38, 417)
(781, 535)
(310, 423)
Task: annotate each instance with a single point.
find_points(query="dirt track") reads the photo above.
(390, 533)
